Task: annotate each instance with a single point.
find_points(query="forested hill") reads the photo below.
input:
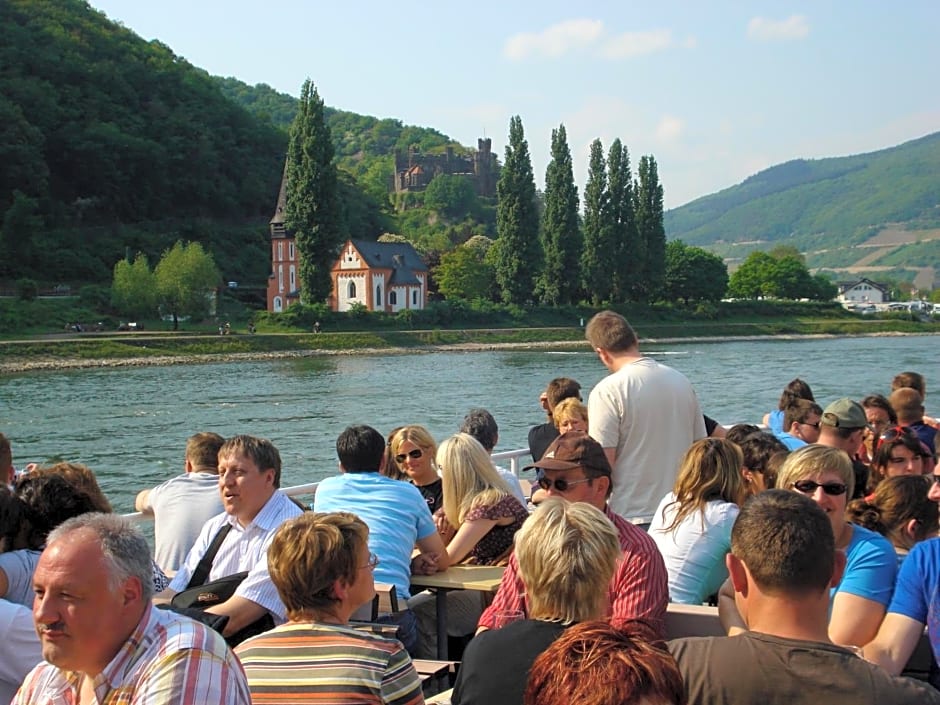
(99, 124)
(832, 204)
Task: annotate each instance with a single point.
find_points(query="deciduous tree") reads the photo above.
(186, 277)
(516, 252)
(561, 235)
(312, 211)
(595, 255)
(464, 274)
(134, 289)
(694, 274)
(627, 258)
(649, 220)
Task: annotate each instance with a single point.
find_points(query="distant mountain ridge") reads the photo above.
(839, 211)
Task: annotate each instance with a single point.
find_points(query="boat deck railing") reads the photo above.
(514, 459)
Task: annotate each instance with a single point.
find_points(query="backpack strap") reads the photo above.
(205, 563)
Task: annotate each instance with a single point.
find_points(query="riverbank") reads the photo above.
(35, 355)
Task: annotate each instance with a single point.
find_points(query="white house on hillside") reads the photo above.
(862, 291)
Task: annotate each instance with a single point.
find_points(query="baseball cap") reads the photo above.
(844, 413)
(572, 450)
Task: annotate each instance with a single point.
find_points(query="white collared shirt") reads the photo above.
(244, 548)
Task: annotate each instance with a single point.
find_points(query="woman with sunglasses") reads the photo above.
(413, 450)
(692, 525)
(899, 510)
(859, 601)
(899, 452)
(482, 517)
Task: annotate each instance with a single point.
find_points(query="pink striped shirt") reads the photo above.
(639, 588)
(168, 660)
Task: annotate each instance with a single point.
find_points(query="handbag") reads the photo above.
(200, 594)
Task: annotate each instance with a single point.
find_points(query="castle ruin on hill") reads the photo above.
(414, 170)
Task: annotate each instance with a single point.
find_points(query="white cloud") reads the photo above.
(630, 44)
(669, 129)
(762, 29)
(554, 41)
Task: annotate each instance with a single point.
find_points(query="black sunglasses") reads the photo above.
(559, 485)
(831, 488)
(414, 454)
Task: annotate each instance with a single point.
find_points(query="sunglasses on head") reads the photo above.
(414, 454)
(896, 431)
(559, 485)
(809, 487)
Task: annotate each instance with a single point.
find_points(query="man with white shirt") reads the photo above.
(249, 478)
(182, 505)
(645, 415)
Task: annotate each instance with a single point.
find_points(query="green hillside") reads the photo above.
(883, 205)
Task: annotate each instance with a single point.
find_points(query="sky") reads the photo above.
(714, 91)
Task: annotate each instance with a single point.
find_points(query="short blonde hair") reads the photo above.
(567, 554)
(812, 461)
(469, 478)
(418, 435)
(308, 554)
(570, 408)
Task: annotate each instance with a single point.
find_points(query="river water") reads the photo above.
(130, 425)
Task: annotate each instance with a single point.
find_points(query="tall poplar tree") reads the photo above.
(312, 212)
(561, 236)
(595, 255)
(517, 250)
(649, 219)
(628, 253)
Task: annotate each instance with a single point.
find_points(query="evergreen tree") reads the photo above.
(561, 237)
(595, 256)
(516, 254)
(650, 230)
(627, 254)
(312, 211)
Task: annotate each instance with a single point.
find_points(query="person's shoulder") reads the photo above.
(180, 633)
(869, 541)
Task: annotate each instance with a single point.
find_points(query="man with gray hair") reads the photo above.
(480, 424)
(101, 638)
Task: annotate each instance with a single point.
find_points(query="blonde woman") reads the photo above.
(482, 517)
(692, 525)
(482, 513)
(567, 554)
(413, 450)
(570, 415)
(859, 601)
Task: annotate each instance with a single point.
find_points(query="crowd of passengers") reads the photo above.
(815, 534)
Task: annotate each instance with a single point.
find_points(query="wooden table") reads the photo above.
(458, 577)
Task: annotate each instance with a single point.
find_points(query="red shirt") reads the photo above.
(638, 590)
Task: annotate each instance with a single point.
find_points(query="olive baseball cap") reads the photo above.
(844, 413)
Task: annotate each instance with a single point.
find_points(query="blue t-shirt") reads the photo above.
(394, 511)
(791, 442)
(871, 566)
(775, 421)
(915, 595)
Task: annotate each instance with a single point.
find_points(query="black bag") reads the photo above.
(199, 595)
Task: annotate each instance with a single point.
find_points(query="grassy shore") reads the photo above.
(77, 350)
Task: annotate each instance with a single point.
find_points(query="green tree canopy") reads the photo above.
(561, 232)
(785, 277)
(694, 274)
(134, 288)
(650, 231)
(626, 260)
(465, 274)
(186, 278)
(450, 195)
(516, 252)
(312, 211)
(598, 231)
